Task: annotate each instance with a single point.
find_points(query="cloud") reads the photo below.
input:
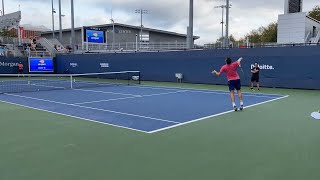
(172, 15)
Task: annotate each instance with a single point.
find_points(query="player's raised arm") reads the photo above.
(216, 73)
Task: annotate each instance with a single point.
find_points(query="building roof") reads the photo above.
(125, 25)
(31, 27)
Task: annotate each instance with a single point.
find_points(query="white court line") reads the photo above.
(106, 92)
(198, 90)
(140, 96)
(85, 107)
(106, 100)
(124, 127)
(55, 87)
(214, 115)
(163, 93)
(212, 92)
(227, 93)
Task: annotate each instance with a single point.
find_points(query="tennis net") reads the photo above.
(13, 83)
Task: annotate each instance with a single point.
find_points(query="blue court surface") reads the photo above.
(141, 108)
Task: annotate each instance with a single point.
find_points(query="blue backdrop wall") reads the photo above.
(288, 67)
(10, 65)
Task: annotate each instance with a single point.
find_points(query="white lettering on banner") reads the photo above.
(120, 31)
(124, 31)
(74, 65)
(104, 65)
(8, 64)
(264, 67)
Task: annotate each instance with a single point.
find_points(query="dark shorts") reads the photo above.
(235, 84)
(255, 79)
(20, 70)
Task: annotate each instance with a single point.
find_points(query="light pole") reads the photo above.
(227, 24)
(72, 25)
(52, 11)
(60, 22)
(2, 7)
(141, 12)
(222, 23)
(113, 32)
(190, 27)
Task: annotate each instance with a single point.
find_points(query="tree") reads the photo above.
(315, 13)
(263, 34)
(269, 33)
(7, 33)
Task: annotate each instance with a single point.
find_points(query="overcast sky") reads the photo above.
(171, 15)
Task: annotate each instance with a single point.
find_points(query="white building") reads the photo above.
(295, 26)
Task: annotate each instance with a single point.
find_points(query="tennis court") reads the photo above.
(102, 129)
(142, 108)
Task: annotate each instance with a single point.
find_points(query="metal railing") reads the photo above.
(13, 40)
(317, 38)
(132, 46)
(48, 45)
(56, 42)
(308, 37)
(258, 45)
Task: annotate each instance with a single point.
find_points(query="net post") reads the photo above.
(128, 76)
(139, 73)
(71, 83)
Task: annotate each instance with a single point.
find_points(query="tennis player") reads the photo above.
(233, 80)
(20, 69)
(255, 76)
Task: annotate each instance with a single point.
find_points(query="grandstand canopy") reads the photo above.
(11, 20)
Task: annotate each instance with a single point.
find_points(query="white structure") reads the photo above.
(10, 21)
(295, 26)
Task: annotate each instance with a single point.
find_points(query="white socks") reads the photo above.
(234, 104)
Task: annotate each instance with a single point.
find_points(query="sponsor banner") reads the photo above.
(104, 65)
(41, 65)
(95, 36)
(8, 64)
(264, 67)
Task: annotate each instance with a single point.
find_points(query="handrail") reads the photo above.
(317, 38)
(307, 37)
(44, 42)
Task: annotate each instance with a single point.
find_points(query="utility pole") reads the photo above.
(222, 24)
(72, 26)
(227, 24)
(190, 27)
(2, 7)
(60, 22)
(113, 32)
(141, 12)
(52, 11)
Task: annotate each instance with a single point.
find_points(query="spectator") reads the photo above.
(20, 69)
(28, 50)
(59, 48)
(33, 47)
(68, 49)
